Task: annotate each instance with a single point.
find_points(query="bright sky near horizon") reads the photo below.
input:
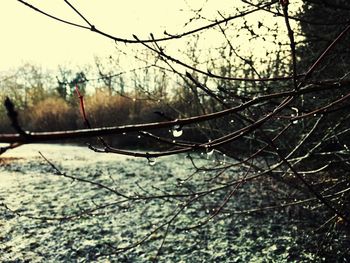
(27, 36)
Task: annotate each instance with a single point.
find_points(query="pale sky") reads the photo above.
(27, 36)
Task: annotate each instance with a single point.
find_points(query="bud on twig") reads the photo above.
(284, 3)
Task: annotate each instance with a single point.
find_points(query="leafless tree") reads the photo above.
(279, 128)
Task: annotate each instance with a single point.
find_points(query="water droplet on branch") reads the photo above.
(224, 159)
(295, 115)
(177, 131)
(151, 161)
(210, 153)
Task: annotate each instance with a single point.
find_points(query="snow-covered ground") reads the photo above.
(99, 221)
